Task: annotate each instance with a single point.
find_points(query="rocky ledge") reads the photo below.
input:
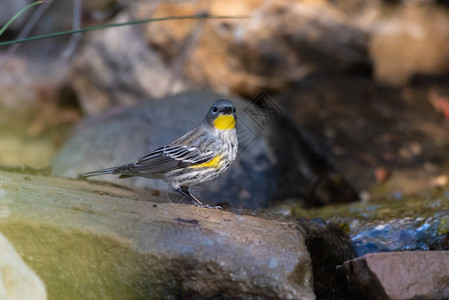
(87, 240)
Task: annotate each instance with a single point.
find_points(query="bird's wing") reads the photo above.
(170, 158)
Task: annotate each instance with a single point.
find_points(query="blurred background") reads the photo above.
(367, 80)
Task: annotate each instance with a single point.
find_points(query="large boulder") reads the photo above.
(268, 167)
(90, 241)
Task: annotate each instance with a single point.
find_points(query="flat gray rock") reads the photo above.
(90, 241)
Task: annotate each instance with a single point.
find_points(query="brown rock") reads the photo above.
(279, 43)
(286, 40)
(399, 275)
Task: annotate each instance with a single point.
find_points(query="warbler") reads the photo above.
(200, 155)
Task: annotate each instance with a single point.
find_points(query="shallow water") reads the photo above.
(397, 223)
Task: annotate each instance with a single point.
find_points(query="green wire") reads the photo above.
(18, 14)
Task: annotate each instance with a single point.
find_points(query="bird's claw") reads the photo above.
(209, 206)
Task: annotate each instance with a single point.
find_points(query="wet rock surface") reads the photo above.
(118, 246)
(409, 224)
(266, 168)
(399, 275)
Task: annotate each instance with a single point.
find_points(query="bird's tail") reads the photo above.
(100, 172)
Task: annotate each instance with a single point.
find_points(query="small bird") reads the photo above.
(198, 156)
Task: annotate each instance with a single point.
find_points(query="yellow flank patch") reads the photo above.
(224, 122)
(213, 163)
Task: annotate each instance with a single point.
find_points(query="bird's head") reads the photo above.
(222, 115)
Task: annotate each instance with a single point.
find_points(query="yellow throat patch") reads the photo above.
(213, 163)
(224, 122)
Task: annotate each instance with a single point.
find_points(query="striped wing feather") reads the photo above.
(169, 158)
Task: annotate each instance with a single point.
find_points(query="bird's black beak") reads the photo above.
(227, 110)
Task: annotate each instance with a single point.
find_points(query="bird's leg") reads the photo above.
(197, 202)
(184, 190)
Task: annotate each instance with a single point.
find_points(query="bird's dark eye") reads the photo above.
(234, 110)
(214, 110)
